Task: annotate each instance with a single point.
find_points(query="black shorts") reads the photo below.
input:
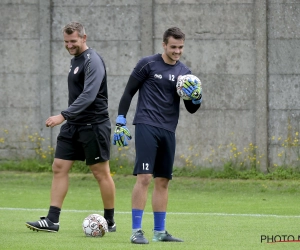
(88, 142)
(155, 151)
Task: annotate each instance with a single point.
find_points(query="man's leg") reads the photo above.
(159, 206)
(101, 172)
(139, 199)
(59, 189)
(159, 203)
(60, 181)
(160, 195)
(140, 191)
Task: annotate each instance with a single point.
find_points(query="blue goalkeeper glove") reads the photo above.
(121, 133)
(193, 90)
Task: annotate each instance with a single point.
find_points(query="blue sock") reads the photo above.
(159, 221)
(137, 216)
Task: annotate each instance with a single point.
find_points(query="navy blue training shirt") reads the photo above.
(87, 85)
(158, 101)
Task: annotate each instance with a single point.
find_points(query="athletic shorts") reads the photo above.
(155, 151)
(88, 142)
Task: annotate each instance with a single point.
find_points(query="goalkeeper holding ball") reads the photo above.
(155, 121)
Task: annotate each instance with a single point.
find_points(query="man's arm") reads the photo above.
(121, 132)
(53, 121)
(94, 75)
(131, 88)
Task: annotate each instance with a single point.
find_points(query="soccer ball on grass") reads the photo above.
(181, 80)
(95, 225)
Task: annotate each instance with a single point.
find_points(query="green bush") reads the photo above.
(240, 163)
(229, 170)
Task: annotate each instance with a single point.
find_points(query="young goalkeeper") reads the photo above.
(155, 121)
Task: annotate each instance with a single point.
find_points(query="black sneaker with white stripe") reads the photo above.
(44, 224)
(112, 227)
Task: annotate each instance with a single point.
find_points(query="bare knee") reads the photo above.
(56, 167)
(101, 171)
(60, 166)
(144, 179)
(161, 183)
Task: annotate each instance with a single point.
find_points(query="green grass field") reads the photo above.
(206, 213)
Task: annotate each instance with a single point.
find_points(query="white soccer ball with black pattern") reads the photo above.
(180, 82)
(95, 225)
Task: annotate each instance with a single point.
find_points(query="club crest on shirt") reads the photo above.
(76, 70)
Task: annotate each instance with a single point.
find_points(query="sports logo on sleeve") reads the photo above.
(158, 76)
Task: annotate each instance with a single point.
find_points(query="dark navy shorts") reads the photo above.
(155, 151)
(88, 142)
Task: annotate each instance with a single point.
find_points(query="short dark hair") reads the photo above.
(70, 28)
(173, 32)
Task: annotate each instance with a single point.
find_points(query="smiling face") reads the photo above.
(172, 50)
(74, 43)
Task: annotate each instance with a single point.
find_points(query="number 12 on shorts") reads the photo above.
(146, 166)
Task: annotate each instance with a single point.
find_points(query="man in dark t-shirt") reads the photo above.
(86, 133)
(155, 121)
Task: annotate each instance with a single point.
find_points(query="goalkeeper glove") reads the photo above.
(121, 133)
(193, 91)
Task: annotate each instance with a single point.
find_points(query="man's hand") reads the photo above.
(53, 121)
(193, 90)
(121, 133)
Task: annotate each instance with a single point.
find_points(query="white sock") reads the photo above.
(135, 230)
(158, 232)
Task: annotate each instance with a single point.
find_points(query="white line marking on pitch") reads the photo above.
(169, 213)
